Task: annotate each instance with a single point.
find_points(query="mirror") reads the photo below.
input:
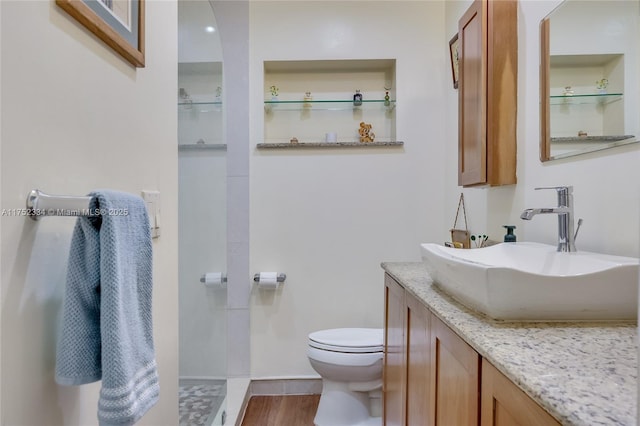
(589, 77)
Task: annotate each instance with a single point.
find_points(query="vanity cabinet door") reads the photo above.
(418, 325)
(487, 93)
(394, 354)
(455, 382)
(504, 404)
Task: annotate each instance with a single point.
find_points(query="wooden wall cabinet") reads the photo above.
(487, 93)
(432, 377)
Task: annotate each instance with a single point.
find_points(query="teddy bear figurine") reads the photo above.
(366, 135)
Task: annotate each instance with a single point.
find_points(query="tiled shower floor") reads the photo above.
(200, 401)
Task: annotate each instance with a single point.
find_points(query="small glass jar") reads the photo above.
(357, 98)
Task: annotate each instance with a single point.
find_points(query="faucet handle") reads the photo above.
(566, 189)
(565, 194)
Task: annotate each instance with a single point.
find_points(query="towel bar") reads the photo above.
(41, 204)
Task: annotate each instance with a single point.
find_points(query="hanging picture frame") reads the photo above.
(118, 23)
(454, 54)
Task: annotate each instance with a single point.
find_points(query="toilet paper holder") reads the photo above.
(203, 278)
(281, 277)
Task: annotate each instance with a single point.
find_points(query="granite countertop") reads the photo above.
(583, 373)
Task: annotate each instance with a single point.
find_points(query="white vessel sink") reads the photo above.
(532, 281)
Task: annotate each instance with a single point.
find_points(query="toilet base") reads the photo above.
(340, 406)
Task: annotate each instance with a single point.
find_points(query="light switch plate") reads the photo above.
(152, 200)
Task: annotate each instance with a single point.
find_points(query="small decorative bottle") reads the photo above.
(387, 102)
(307, 100)
(357, 98)
(601, 85)
(218, 99)
(274, 92)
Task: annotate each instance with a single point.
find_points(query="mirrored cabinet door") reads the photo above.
(590, 77)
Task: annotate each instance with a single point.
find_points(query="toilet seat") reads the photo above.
(348, 340)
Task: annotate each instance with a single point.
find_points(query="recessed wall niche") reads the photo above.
(200, 104)
(315, 102)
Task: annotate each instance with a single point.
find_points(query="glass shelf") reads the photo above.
(199, 107)
(199, 103)
(202, 146)
(595, 139)
(330, 145)
(326, 105)
(593, 98)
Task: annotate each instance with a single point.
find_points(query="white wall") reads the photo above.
(77, 117)
(606, 184)
(313, 215)
(328, 218)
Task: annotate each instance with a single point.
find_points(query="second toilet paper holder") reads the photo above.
(223, 278)
(281, 277)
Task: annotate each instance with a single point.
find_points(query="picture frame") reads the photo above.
(118, 23)
(454, 54)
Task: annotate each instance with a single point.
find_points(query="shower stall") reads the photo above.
(202, 167)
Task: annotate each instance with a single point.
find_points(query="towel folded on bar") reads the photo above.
(106, 326)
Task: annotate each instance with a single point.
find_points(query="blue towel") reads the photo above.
(107, 329)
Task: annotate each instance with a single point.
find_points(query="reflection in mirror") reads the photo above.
(589, 77)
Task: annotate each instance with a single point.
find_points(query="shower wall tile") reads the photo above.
(239, 280)
(238, 344)
(233, 21)
(238, 209)
(237, 156)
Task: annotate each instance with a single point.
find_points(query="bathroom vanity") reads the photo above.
(445, 364)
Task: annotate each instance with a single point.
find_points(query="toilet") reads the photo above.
(349, 360)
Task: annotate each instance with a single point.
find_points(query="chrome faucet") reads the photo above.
(566, 236)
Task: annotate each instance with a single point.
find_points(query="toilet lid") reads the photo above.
(348, 340)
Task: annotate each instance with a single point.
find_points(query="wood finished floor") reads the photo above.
(281, 410)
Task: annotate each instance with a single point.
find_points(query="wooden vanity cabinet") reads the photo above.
(432, 377)
(394, 370)
(487, 93)
(504, 404)
(407, 365)
(456, 377)
(418, 358)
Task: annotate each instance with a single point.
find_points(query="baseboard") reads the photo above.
(202, 378)
(279, 386)
(288, 386)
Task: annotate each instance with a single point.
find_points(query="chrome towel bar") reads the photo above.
(41, 204)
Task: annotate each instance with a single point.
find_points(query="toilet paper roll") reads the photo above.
(213, 279)
(268, 280)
